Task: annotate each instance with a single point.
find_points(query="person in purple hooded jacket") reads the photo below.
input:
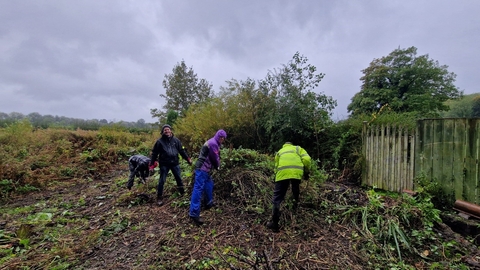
(208, 160)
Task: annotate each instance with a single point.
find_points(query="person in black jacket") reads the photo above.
(166, 150)
(139, 166)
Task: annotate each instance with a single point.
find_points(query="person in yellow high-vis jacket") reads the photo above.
(292, 163)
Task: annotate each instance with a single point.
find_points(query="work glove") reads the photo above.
(306, 175)
(153, 166)
(189, 161)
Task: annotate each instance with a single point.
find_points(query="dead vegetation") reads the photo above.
(112, 228)
(109, 227)
(94, 222)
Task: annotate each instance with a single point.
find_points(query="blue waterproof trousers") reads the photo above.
(203, 187)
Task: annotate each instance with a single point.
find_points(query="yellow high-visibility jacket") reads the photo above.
(290, 162)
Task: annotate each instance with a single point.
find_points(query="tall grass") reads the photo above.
(32, 158)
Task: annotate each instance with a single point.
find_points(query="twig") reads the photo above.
(244, 260)
(319, 239)
(198, 248)
(231, 266)
(269, 263)
(217, 235)
(298, 251)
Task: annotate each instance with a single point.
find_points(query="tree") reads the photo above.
(263, 116)
(35, 118)
(291, 110)
(233, 110)
(406, 83)
(242, 101)
(200, 123)
(172, 117)
(16, 116)
(182, 89)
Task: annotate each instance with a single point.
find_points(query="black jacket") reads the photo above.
(139, 163)
(166, 150)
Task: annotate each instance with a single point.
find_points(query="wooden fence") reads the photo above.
(443, 150)
(388, 152)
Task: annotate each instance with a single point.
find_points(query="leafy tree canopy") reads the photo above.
(265, 114)
(234, 110)
(405, 82)
(242, 101)
(200, 123)
(293, 111)
(182, 89)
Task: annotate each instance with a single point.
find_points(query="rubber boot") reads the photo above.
(181, 190)
(295, 206)
(273, 224)
(210, 206)
(197, 220)
(159, 200)
(296, 200)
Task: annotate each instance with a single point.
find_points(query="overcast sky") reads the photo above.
(106, 59)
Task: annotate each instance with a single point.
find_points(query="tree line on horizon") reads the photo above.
(49, 121)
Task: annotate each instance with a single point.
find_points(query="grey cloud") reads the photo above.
(106, 59)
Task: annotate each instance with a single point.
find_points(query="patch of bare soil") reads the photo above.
(132, 232)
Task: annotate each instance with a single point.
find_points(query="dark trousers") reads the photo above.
(281, 188)
(142, 173)
(163, 177)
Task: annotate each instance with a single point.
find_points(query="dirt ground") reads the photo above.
(142, 235)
